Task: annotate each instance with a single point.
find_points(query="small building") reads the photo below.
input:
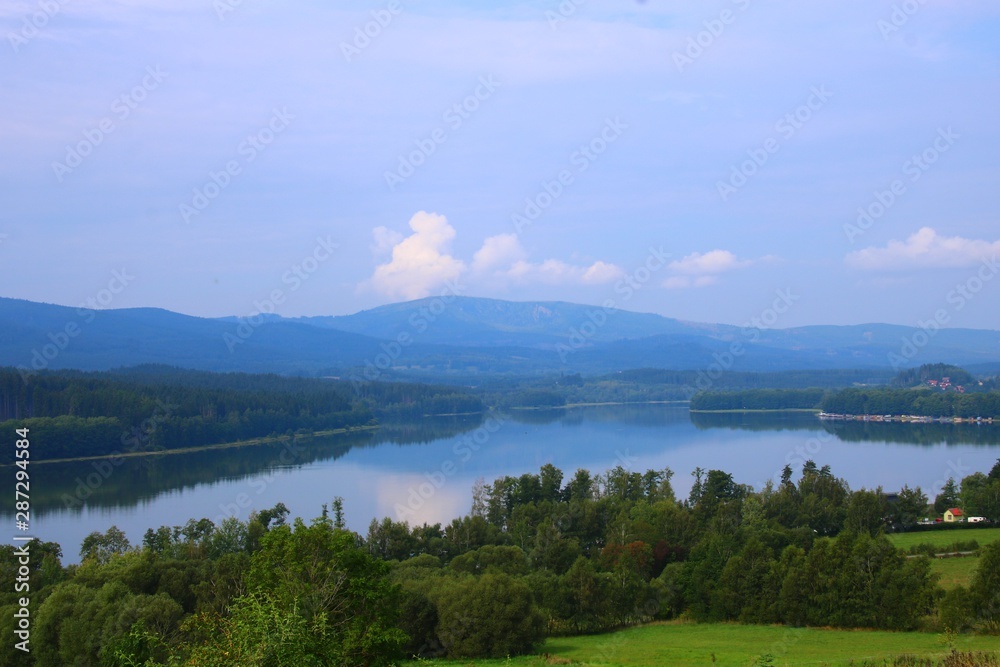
(953, 515)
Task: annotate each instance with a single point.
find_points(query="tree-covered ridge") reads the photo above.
(918, 402)
(657, 385)
(932, 390)
(540, 554)
(915, 377)
(758, 399)
(157, 408)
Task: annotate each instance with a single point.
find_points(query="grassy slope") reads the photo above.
(683, 645)
(945, 537)
(954, 571)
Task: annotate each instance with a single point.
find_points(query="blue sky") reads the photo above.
(713, 153)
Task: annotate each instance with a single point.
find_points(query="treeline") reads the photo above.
(657, 385)
(733, 390)
(254, 593)
(404, 400)
(737, 380)
(758, 399)
(538, 555)
(920, 402)
(911, 377)
(155, 408)
(856, 401)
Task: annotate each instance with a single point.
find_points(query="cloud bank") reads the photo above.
(702, 269)
(422, 263)
(924, 249)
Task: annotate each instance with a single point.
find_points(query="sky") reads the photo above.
(696, 160)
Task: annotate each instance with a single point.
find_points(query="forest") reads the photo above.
(156, 408)
(539, 555)
(758, 399)
(857, 401)
(921, 402)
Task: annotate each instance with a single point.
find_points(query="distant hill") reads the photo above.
(35, 334)
(465, 337)
(474, 322)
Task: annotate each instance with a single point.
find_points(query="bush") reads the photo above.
(928, 549)
(491, 616)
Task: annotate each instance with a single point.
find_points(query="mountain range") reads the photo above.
(462, 336)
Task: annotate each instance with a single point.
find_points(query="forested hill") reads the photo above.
(155, 408)
(431, 339)
(857, 401)
(920, 402)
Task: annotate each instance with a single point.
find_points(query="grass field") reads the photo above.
(724, 645)
(945, 537)
(954, 571)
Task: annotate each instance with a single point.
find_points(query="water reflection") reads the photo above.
(639, 414)
(985, 435)
(126, 482)
(424, 470)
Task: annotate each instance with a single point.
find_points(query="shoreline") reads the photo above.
(906, 419)
(566, 406)
(200, 448)
(761, 410)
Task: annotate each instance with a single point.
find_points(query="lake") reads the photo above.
(424, 472)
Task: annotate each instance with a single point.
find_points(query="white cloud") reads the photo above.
(601, 272)
(703, 269)
(709, 263)
(923, 249)
(499, 251)
(503, 259)
(420, 262)
(385, 240)
(557, 272)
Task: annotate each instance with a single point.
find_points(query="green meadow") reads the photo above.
(943, 538)
(954, 571)
(678, 644)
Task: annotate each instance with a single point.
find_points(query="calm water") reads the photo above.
(425, 472)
